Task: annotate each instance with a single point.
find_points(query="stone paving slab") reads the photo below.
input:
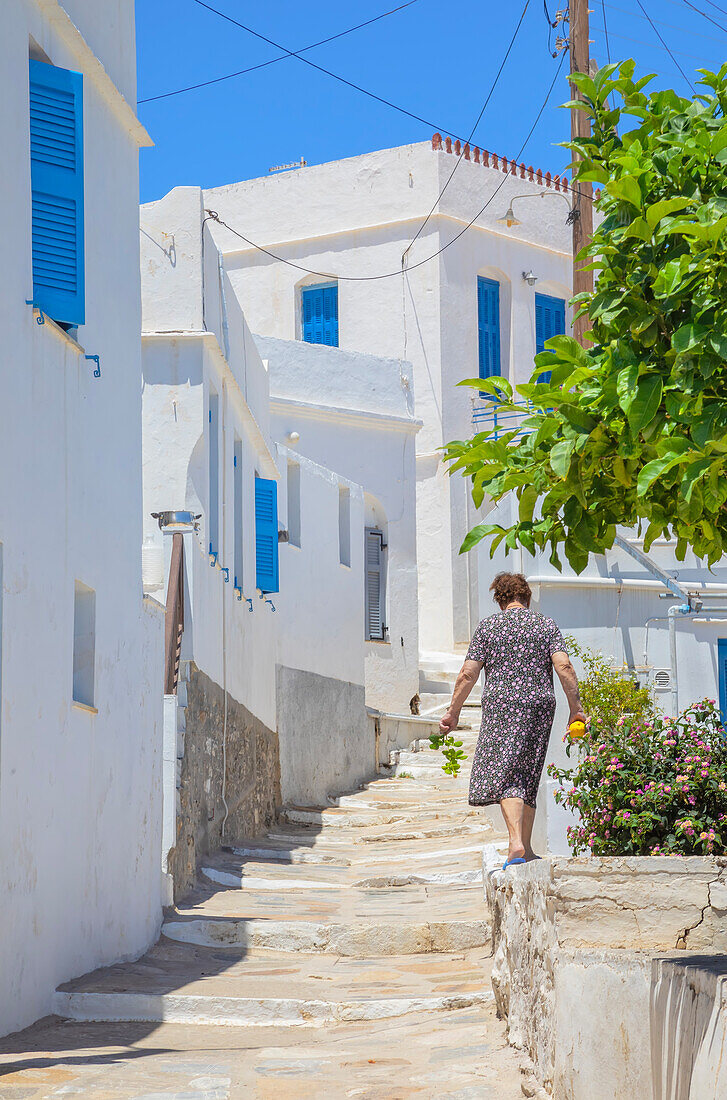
(459, 1056)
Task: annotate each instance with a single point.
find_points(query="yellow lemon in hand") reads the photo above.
(577, 730)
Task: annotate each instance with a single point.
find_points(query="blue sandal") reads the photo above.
(511, 862)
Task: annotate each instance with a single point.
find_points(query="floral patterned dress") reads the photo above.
(518, 704)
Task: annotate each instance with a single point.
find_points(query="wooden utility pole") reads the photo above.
(580, 126)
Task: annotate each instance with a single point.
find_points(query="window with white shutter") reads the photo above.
(375, 593)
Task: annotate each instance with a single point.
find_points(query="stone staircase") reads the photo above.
(343, 954)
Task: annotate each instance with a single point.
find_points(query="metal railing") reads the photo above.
(487, 416)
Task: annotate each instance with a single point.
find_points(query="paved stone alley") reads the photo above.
(344, 954)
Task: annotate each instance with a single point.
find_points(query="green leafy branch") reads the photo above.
(451, 750)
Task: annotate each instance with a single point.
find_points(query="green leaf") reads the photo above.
(528, 500)
(627, 189)
(646, 402)
(560, 457)
(659, 210)
(656, 468)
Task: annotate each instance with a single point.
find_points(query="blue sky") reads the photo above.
(435, 59)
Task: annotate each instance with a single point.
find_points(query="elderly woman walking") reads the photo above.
(518, 650)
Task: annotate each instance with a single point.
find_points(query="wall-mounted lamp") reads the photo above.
(509, 219)
(293, 437)
(530, 277)
(172, 522)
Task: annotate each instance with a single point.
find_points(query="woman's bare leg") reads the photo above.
(528, 822)
(513, 810)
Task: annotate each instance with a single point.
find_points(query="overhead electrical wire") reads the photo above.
(420, 263)
(671, 55)
(660, 22)
(328, 72)
(282, 57)
(699, 11)
(649, 45)
(605, 31)
(457, 163)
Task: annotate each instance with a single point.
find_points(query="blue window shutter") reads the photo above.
(549, 321)
(320, 314)
(722, 663)
(375, 596)
(56, 177)
(266, 534)
(488, 324)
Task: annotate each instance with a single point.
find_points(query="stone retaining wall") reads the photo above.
(252, 785)
(574, 941)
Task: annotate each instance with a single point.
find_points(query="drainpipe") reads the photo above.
(684, 608)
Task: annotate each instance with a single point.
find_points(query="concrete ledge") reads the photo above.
(689, 1027)
(574, 941)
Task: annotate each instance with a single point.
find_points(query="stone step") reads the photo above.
(430, 773)
(343, 818)
(187, 984)
(364, 940)
(458, 1054)
(243, 881)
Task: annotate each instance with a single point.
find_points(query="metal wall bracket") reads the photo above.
(95, 359)
(40, 319)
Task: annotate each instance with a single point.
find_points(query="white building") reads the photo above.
(352, 221)
(461, 302)
(275, 669)
(80, 649)
(354, 413)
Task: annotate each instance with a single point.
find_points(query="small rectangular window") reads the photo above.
(488, 326)
(84, 644)
(237, 511)
(56, 181)
(375, 595)
(294, 503)
(266, 534)
(213, 511)
(319, 307)
(549, 321)
(344, 525)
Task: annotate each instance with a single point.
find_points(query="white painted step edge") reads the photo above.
(249, 882)
(180, 1008)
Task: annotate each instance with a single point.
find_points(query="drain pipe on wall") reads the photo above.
(223, 434)
(689, 605)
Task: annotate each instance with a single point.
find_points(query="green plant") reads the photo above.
(451, 750)
(649, 787)
(608, 692)
(633, 430)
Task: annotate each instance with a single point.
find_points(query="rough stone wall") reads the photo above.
(573, 942)
(253, 778)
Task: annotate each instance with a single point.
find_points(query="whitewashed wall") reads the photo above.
(357, 217)
(296, 660)
(353, 413)
(80, 792)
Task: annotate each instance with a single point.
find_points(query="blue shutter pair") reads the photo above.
(549, 321)
(320, 314)
(56, 177)
(266, 535)
(722, 662)
(488, 326)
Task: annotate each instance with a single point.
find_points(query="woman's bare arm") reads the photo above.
(466, 680)
(569, 682)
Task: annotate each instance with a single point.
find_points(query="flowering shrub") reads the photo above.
(606, 691)
(649, 787)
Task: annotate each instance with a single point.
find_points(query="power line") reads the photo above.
(712, 3)
(390, 274)
(660, 22)
(605, 30)
(274, 60)
(671, 55)
(498, 74)
(649, 45)
(703, 13)
(328, 72)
